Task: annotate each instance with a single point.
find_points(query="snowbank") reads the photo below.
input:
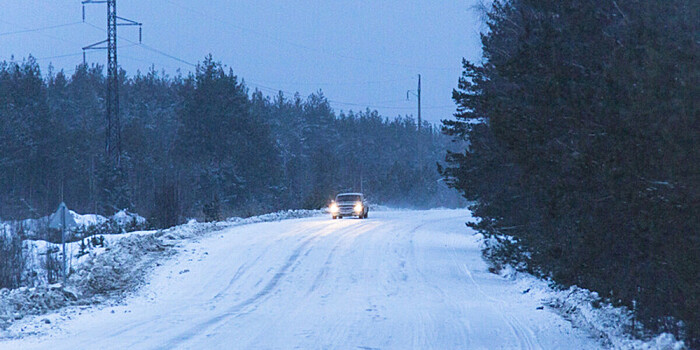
(88, 219)
(586, 310)
(38, 252)
(125, 218)
(38, 228)
(112, 269)
(17, 303)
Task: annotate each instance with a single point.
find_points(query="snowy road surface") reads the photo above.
(398, 280)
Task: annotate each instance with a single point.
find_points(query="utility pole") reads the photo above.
(410, 92)
(419, 119)
(63, 242)
(113, 146)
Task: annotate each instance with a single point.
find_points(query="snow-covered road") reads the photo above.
(398, 280)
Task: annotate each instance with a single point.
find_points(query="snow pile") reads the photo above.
(88, 219)
(124, 264)
(115, 268)
(277, 216)
(194, 228)
(124, 218)
(35, 255)
(122, 221)
(586, 310)
(120, 267)
(17, 303)
(38, 255)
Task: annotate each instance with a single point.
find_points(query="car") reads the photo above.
(349, 204)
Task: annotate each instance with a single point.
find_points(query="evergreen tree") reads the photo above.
(583, 130)
(197, 140)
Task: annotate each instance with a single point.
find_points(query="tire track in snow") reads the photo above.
(239, 272)
(424, 344)
(326, 265)
(525, 336)
(247, 265)
(342, 234)
(240, 308)
(156, 319)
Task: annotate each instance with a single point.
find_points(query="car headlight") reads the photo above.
(358, 207)
(334, 208)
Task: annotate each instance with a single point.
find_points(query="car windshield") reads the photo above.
(349, 198)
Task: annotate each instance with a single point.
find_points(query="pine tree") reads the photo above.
(582, 124)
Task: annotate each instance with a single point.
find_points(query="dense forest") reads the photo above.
(201, 145)
(584, 159)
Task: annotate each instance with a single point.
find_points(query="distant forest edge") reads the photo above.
(584, 159)
(200, 145)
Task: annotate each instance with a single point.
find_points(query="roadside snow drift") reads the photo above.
(398, 280)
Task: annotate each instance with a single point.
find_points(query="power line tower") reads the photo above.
(113, 146)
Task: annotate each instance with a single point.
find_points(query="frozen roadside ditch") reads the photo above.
(108, 274)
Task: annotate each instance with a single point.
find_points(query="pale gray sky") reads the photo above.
(360, 53)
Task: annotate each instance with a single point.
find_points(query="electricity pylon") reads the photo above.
(113, 140)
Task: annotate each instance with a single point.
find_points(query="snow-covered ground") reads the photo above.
(398, 280)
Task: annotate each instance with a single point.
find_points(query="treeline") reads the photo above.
(201, 145)
(584, 156)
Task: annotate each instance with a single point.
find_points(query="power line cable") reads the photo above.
(146, 47)
(149, 48)
(348, 83)
(59, 56)
(297, 45)
(75, 54)
(275, 90)
(32, 30)
(260, 86)
(44, 34)
(248, 81)
(147, 61)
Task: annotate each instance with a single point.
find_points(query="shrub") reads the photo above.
(11, 258)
